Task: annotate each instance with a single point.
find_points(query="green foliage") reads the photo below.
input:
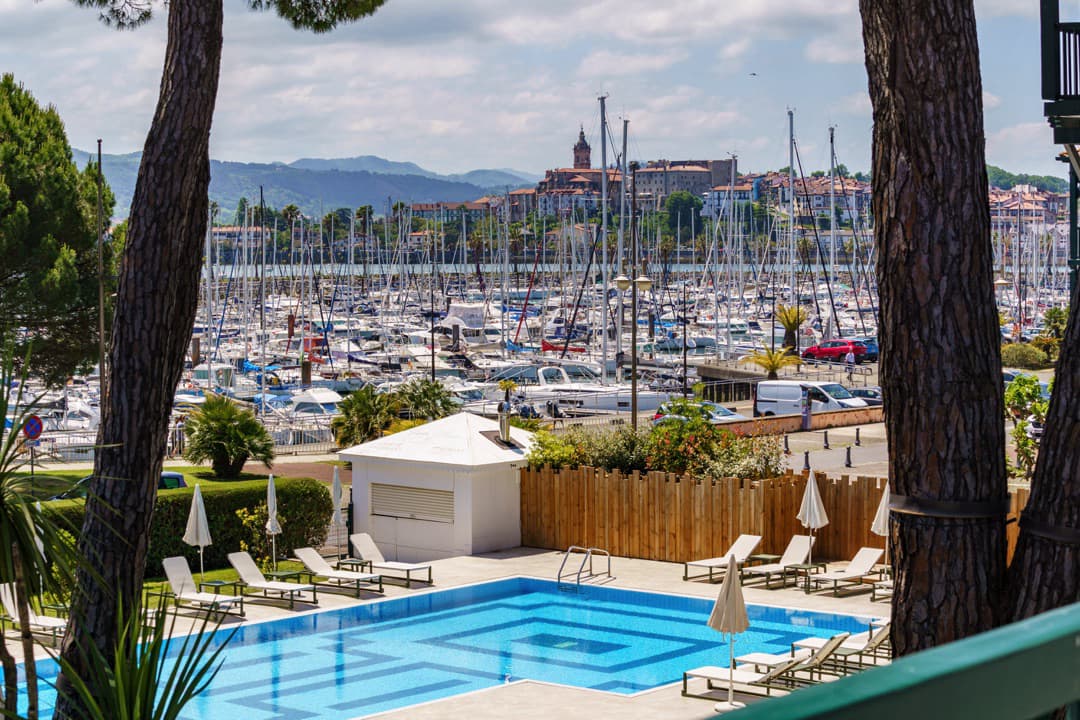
(1027, 451)
(306, 503)
(680, 446)
(422, 398)
(227, 435)
(61, 587)
(1054, 320)
(364, 415)
(771, 361)
(552, 450)
(1006, 180)
(48, 238)
(750, 457)
(1021, 395)
(791, 317)
(683, 209)
(1023, 355)
(148, 676)
(258, 543)
(530, 424)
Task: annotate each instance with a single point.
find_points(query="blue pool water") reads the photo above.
(346, 663)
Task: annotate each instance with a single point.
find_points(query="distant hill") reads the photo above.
(1006, 180)
(318, 185)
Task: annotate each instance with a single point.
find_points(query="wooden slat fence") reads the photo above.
(659, 516)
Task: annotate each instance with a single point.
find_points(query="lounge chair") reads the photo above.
(252, 577)
(860, 649)
(366, 549)
(747, 679)
(882, 589)
(740, 550)
(796, 553)
(186, 590)
(45, 624)
(860, 567)
(317, 566)
(813, 662)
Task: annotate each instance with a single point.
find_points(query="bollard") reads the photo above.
(847, 458)
(806, 460)
(787, 448)
(826, 440)
(858, 442)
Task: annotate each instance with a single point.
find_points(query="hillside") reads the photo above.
(319, 185)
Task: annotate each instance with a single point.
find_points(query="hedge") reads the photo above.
(304, 504)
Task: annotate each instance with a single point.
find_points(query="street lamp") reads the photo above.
(640, 284)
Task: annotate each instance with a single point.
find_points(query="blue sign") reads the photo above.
(32, 427)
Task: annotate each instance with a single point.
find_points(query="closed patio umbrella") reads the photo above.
(880, 526)
(198, 529)
(337, 520)
(273, 527)
(812, 511)
(729, 616)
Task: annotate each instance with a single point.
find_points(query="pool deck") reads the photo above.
(528, 700)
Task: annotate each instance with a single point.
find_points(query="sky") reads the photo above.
(457, 85)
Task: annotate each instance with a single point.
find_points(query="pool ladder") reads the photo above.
(581, 573)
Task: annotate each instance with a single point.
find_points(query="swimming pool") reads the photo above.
(346, 663)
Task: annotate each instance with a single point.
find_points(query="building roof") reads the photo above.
(461, 440)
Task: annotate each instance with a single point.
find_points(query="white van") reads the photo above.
(784, 397)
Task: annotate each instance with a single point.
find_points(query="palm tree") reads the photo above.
(791, 317)
(23, 525)
(424, 398)
(226, 435)
(365, 414)
(771, 360)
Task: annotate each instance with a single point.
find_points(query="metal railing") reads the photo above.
(588, 558)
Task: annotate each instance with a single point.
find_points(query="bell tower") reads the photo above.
(582, 152)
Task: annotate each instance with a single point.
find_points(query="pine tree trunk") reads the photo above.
(940, 344)
(1045, 571)
(155, 312)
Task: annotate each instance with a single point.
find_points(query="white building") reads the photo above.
(446, 488)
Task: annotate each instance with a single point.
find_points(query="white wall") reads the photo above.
(487, 509)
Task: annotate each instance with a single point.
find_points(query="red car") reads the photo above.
(835, 351)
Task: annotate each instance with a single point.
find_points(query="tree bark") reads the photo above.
(940, 345)
(155, 311)
(1045, 571)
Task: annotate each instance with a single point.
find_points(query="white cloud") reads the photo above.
(990, 100)
(603, 63)
(835, 49)
(736, 49)
(856, 104)
(1017, 149)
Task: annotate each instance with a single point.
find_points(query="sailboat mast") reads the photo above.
(604, 231)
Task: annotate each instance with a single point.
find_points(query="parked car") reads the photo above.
(167, 481)
(712, 412)
(835, 351)
(872, 351)
(870, 395)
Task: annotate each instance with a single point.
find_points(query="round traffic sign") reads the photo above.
(32, 427)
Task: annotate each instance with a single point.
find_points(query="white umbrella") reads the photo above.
(273, 527)
(880, 526)
(338, 518)
(198, 529)
(729, 616)
(812, 511)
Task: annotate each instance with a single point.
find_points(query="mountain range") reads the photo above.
(318, 185)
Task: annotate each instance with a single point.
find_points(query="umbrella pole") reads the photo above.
(731, 670)
(202, 571)
(273, 544)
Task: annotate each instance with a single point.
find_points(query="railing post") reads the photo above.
(1050, 14)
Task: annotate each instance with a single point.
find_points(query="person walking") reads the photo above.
(849, 363)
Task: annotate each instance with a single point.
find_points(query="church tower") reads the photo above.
(582, 152)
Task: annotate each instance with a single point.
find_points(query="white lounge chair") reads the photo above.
(747, 679)
(45, 624)
(251, 576)
(796, 553)
(186, 590)
(366, 549)
(813, 662)
(864, 648)
(883, 589)
(861, 566)
(740, 550)
(317, 566)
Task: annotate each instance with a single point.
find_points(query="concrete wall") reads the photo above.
(779, 424)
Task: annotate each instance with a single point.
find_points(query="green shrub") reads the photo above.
(681, 446)
(750, 457)
(552, 450)
(304, 501)
(1023, 356)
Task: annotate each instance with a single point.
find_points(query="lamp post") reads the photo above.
(641, 283)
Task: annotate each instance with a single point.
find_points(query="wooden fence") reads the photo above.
(658, 516)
